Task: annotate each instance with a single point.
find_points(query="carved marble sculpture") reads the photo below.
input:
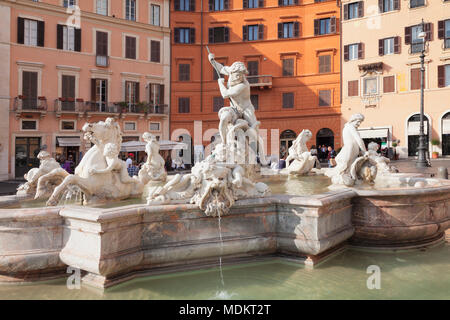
(153, 169)
(382, 163)
(47, 164)
(351, 168)
(100, 175)
(302, 160)
(225, 176)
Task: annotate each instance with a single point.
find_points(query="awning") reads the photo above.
(69, 142)
(373, 133)
(414, 128)
(446, 126)
(134, 146)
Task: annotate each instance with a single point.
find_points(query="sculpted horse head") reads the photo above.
(99, 134)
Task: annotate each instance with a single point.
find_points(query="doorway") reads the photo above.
(27, 150)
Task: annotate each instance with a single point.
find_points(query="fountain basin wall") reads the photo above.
(114, 245)
(400, 218)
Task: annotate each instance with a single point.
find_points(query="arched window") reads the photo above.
(414, 133)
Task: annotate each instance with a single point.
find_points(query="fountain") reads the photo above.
(366, 204)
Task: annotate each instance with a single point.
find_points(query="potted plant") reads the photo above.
(394, 147)
(434, 143)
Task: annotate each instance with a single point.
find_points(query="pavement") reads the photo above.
(9, 187)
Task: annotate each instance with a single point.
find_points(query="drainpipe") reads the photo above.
(201, 57)
(170, 76)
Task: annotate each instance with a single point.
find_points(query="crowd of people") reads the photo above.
(323, 153)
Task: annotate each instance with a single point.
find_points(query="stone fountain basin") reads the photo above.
(116, 244)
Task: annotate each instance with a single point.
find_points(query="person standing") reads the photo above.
(331, 157)
(129, 161)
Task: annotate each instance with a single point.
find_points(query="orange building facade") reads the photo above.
(67, 62)
(292, 53)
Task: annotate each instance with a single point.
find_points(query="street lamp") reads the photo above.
(422, 161)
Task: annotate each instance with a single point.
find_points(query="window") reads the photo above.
(129, 126)
(288, 67)
(389, 5)
(249, 4)
(218, 5)
(325, 26)
(184, 72)
(156, 95)
(253, 32)
(444, 76)
(184, 35)
(155, 51)
(325, 64)
(68, 92)
(99, 94)
(354, 10)
(288, 100)
(29, 90)
(389, 84)
(287, 2)
(288, 30)
(67, 125)
(324, 98)
(30, 32)
(218, 34)
(131, 95)
(353, 52)
(353, 90)
(389, 46)
(102, 7)
(370, 86)
(217, 103)
(415, 78)
(416, 3)
(184, 105)
(253, 71)
(102, 48)
(69, 3)
(68, 38)
(254, 98)
(184, 5)
(130, 47)
(155, 126)
(130, 10)
(444, 32)
(412, 36)
(29, 125)
(155, 14)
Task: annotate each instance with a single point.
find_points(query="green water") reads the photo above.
(420, 274)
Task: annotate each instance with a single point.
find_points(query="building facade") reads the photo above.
(381, 71)
(67, 62)
(291, 50)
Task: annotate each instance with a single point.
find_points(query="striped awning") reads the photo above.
(69, 142)
(374, 133)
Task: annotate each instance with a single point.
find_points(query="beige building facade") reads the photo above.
(381, 71)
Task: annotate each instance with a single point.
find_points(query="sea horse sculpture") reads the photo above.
(302, 160)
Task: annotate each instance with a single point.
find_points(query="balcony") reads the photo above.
(142, 108)
(101, 108)
(23, 105)
(263, 81)
(102, 61)
(69, 106)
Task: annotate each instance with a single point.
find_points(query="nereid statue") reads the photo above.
(302, 160)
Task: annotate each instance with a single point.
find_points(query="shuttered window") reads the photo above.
(444, 76)
(288, 100)
(354, 10)
(184, 72)
(155, 51)
(254, 98)
(389, 84)
(30, 32)
(156, 94)
(130, 10)
(415, 79)
(184, 5)
(130, 47)
(444, 32)
(102, 43)
(218, 5)
(388, 5)
(288, 67)
(249, 4)
(288, 30)
(29, 89)
(218, 35)
(68, 38)
(325, 64)
(253, 32)
(184, 105)
(353, 88)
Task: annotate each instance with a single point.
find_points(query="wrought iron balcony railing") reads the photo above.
(100, 106)
(260, 81)
(69, 105)
(102, 61)
(23, 103)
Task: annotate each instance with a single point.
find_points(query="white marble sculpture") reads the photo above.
(153, 169)
(382, 163)
(100, 176)
(353, 163)
(226, 175)
(302, 160)
(47, 164)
